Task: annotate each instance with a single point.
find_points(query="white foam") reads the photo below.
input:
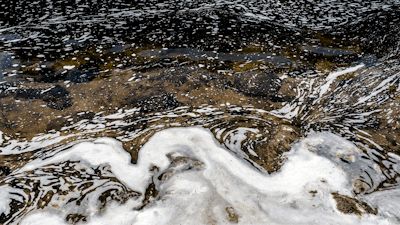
(8, 193)
(211, 181)
(332, 76)
(69, 67)
(44, 218)
(381, 87)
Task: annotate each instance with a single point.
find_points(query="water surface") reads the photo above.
(173, 111)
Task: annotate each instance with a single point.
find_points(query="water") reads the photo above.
(170, 112)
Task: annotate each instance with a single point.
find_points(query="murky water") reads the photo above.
(171, 112)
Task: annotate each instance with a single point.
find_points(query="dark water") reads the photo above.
(260, 75)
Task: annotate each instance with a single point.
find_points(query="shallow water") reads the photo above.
(217, 112)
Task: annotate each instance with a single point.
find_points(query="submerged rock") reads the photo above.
(56, 97)
(258, 85)
(271, 150)
(349, 205)
(151, 100)
(79, 76)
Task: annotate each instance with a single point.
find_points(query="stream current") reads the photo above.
(206, 112)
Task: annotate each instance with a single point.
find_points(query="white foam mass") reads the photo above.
(200, 182)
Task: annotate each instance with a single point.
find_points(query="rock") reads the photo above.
(55, 98)
(271, 150)
(258, 85)
(151, 100)
(78, 76)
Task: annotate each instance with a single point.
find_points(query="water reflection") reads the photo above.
(8, 64)
(195, 54)
(328, 51)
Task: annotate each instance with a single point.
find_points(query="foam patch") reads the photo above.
(200, 182)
